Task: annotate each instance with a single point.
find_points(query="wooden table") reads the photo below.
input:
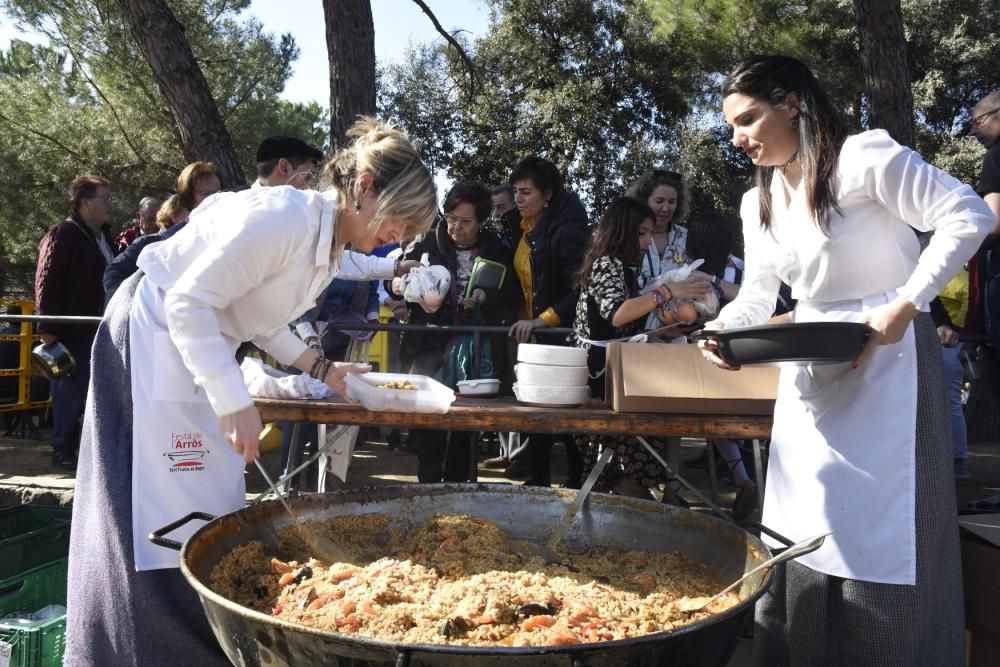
(506, 414)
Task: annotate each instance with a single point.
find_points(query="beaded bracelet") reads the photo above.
(320, 367)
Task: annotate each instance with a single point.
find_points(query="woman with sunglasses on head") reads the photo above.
(170, 425)
(665, 193)
(455, 242)
(856, 447)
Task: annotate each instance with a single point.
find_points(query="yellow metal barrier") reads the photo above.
(378, 354)
(23, 372)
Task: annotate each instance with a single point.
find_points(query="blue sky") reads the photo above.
(397, 23)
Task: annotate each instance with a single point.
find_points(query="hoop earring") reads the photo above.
(794, 123)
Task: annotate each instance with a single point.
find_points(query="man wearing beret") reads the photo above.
(287, 161)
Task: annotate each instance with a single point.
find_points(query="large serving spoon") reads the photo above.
(798, 549)
(525, 549)
(325, 549)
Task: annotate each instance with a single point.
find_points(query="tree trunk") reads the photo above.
(165, 47)
(350, 45)
(887, 74)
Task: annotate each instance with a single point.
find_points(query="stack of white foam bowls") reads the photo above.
(551, 375)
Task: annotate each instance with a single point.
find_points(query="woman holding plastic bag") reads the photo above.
(453, 245)
(665, 193)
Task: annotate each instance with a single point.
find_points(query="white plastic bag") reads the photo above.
(673, 312)
(262, 381)
(426, 286)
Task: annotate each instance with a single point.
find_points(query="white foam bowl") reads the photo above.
(551, 355)
(484, 387)
(538, 394)
(556, 376)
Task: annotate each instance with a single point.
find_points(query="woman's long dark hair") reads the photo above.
(617, 236)
(710, 237)
(821, 129)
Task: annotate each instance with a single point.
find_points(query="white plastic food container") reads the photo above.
(558, 376)
(482, 388)
(536, 394)
(551, 355)
(430, 396)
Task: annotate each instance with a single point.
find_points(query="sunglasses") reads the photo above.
(668, 174)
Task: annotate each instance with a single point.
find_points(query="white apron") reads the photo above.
(842, 456)
(180, 462)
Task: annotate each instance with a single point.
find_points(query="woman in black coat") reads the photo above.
(553, 237)
(455, 242)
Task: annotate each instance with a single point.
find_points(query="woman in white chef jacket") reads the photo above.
(170, 425)
(856, 447)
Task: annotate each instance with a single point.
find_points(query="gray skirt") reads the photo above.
(115, 615)
(811, 619)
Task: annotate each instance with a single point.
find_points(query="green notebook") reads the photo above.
(486, 274)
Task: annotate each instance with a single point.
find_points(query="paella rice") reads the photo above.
(456, 581)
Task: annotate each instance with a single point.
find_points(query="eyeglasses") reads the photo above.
(107, 198)
(977, 121)
(308, 176)
(668, 174)
(463, 222)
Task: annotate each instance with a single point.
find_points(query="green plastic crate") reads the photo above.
(44, 644)
(32, 535)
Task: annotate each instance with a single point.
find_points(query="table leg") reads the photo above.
(474, 456)
(758, 471)
(710, 457)
(293, 455)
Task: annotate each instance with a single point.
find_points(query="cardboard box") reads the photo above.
(981, 582)
(650, 377)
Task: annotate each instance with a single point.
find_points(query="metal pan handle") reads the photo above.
(156, 537)
(756, 525)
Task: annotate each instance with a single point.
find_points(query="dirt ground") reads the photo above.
(27, 475)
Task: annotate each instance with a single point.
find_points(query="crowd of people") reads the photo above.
(830, 232)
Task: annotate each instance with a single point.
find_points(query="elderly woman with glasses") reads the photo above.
(456, 242)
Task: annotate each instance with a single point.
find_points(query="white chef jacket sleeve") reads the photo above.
(927, 199)
(233, 266)
(359, 266)
(759, 292)
(282, 344)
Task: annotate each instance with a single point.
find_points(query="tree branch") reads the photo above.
(41, 134)
(469, 66)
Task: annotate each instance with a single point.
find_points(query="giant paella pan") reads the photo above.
(253, 638)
